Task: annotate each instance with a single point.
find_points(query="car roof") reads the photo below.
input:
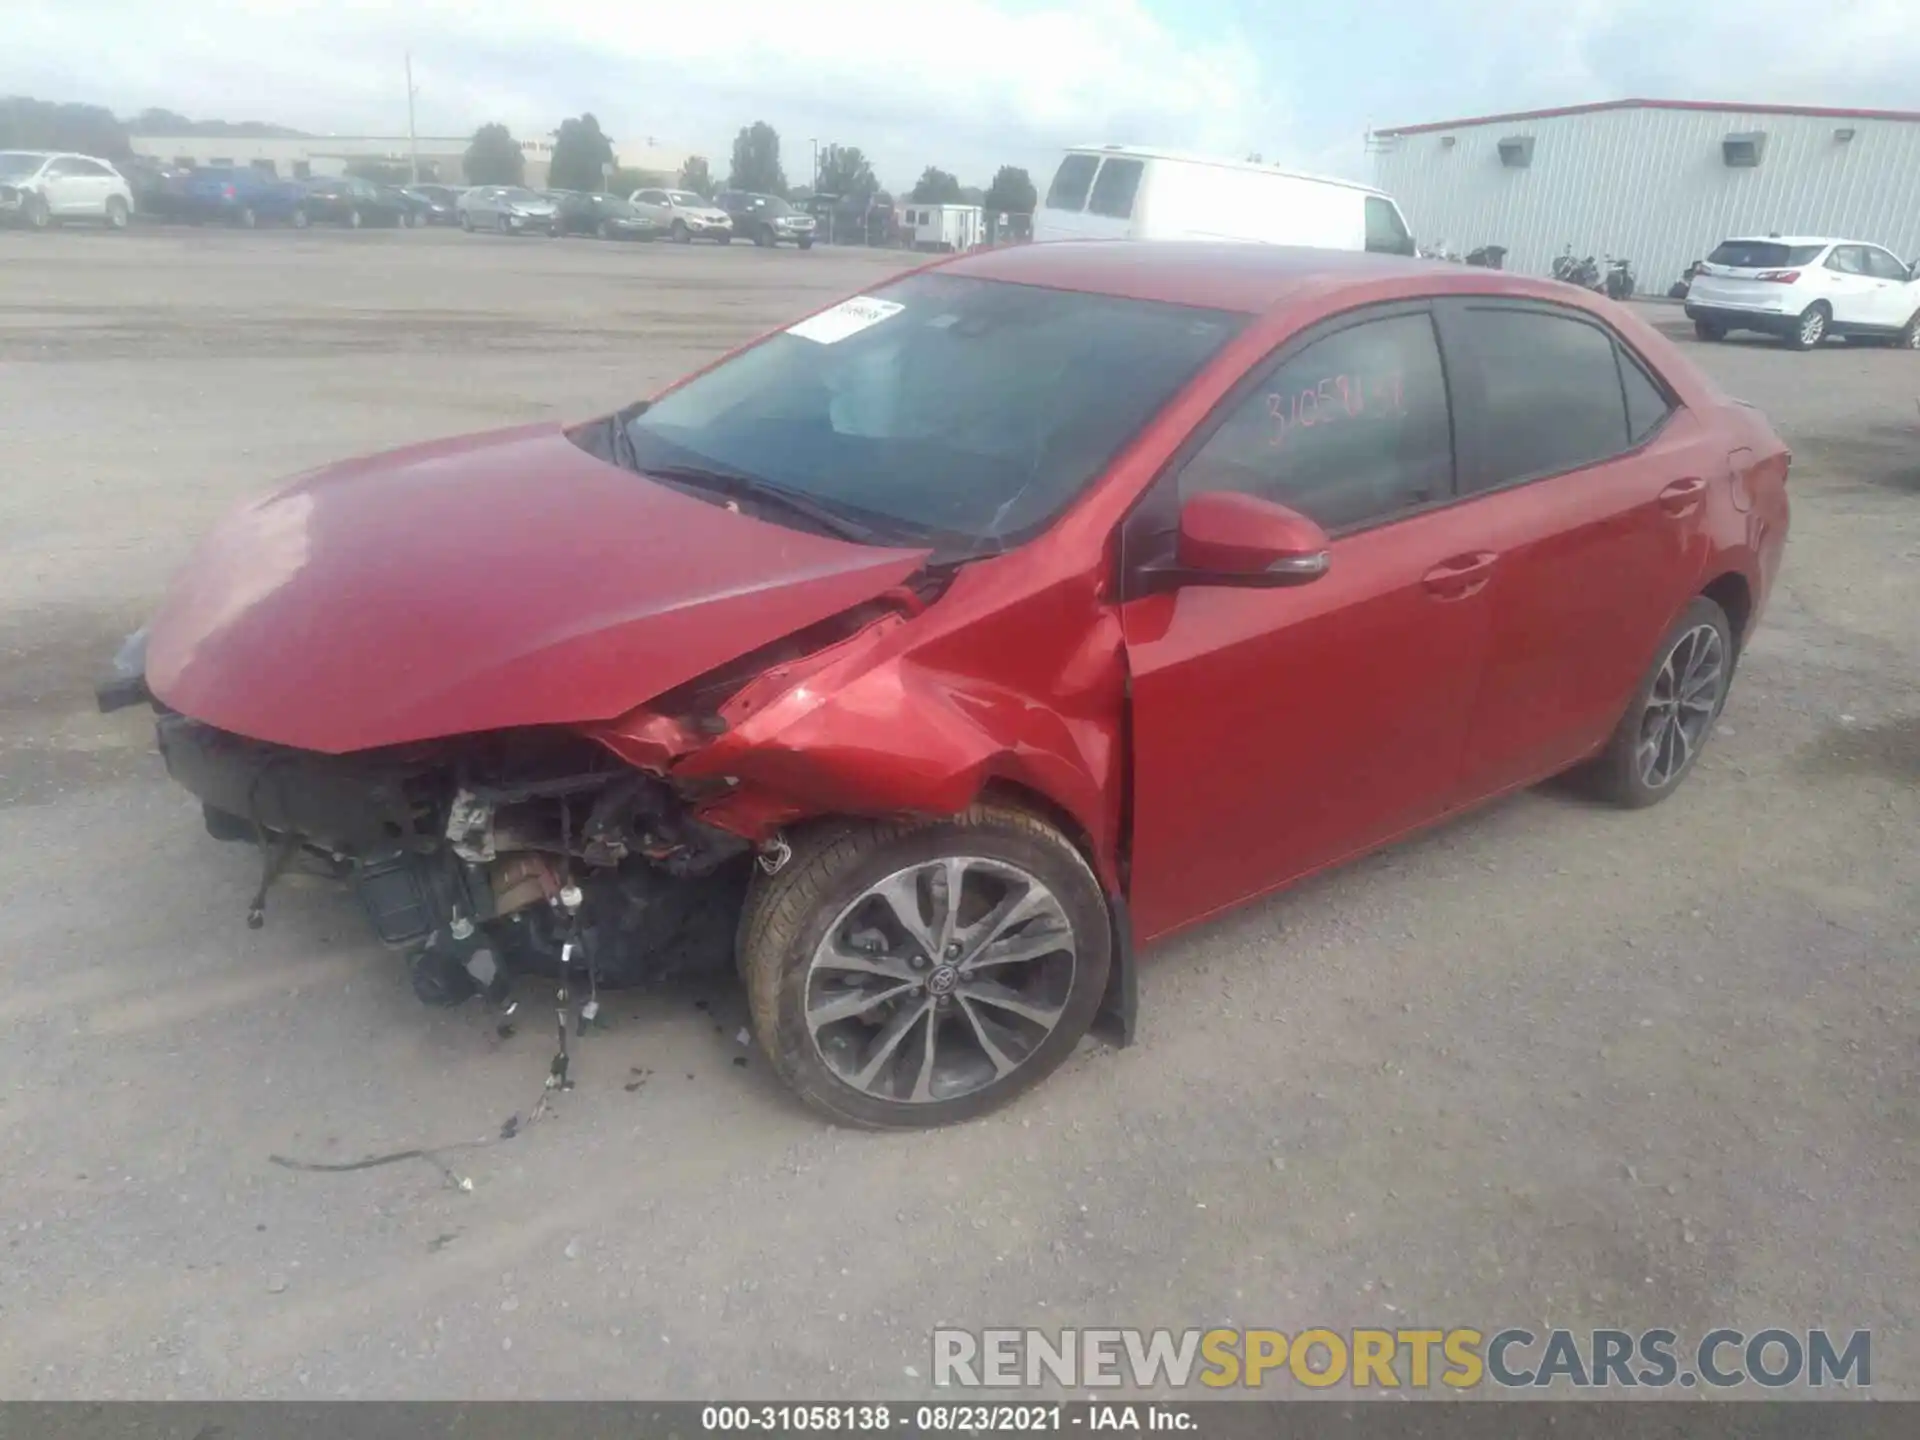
(1187, 157)
(1225, 275)
(1790, 240)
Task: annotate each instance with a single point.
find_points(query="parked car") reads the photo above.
(240, 195)
(441, 203)
(1803, 289)
(934, 646)
(607, 216)
(1120, 192)
(684, 216)
(355, 203)
(512, 209)
(39, 188)
(767, 220)
(415, 210)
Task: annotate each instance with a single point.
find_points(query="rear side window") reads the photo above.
(1113, 191)
(1352, 429)
(1552, 395)
(1647, 404)
(1386, 231)
(1071, 182)
(1848, 260)
(1762, 254)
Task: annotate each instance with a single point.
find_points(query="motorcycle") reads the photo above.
(1619, 283)
(1488, 257)
(1681, 287)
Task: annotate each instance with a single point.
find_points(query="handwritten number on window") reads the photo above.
(1336, 399)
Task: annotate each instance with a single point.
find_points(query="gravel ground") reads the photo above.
(1550, 1065)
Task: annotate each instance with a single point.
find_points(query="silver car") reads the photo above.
(683, 215)
(509, 208)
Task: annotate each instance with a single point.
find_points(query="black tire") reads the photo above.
(806, 244)
(39, 217)
(1618, 775)
(1708, 331)
(466, 222)
(788, 915)
(1811, 328)
(606, 230)
(764, 238)
(300, 219)
(681, 235)
(440, 979)
(1910, 335)
(119, 216)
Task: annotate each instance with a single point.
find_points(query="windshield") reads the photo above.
(1762, 254)
(957, 412)
(515, 196)
(686, 197)
(16, 163)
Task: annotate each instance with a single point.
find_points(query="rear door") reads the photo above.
(1592, 487)
(1278, 731)
(1850, 290)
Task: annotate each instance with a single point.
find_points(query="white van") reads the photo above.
(1123, 192)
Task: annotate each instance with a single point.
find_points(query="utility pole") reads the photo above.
(413, 140)
(816, 164)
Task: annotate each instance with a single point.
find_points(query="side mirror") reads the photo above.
(1227, 538)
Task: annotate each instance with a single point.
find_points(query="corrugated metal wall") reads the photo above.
(1651, 185)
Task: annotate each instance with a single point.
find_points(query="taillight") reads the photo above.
(1778, 277)
(227, 191)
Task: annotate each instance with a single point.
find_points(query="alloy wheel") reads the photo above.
(1686, 696)
(940, 979)
(1813, 326)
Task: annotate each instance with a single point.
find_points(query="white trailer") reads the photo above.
(943, 227)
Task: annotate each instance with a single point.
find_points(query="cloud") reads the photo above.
(962, 84)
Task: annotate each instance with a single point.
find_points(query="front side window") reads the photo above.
(1883, 266)
(1353, 429)
(1386, 232)
(954, 411)
(1071, 182)
(1115, 188)
(685, 197)
(1551, 394)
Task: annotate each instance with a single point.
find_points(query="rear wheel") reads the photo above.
(355, 219)
(1672, 714)
(300, 219)
(904, 976)
(1708, 331)
(1811, 328)
(606, 230)
(246, 219)
(763, 238)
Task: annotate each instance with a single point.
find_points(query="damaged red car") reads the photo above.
(927, 657)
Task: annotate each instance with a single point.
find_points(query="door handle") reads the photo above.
(1460, 576)
(1682, 495)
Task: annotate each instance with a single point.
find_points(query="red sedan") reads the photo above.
(928, 656)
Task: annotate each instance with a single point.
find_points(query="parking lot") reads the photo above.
(1552, 1065)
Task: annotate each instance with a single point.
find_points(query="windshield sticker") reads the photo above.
(849, 317)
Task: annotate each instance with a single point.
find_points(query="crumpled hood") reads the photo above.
(477, 584)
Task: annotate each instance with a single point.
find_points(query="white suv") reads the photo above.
(42, 187)
(1804, 289)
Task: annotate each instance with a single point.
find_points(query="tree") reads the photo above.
(936, 187)
(756, 160)
(844, 171)
(27, 124)
(580, 151)
(1012, 192)
(695, 176)
(494, 158)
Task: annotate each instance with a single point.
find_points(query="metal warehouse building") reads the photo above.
(1659, 182)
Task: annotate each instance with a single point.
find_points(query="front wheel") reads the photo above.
(1910, 335)
(1672, 713)
(806, 244)
(681, 235)
(904, 976)
(118, 215)
(1811, 328)
(38, 215)
(300, 219)
(466, 222)
(1708, 331)
(355, 219)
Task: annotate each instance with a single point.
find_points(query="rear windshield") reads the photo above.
(1762, 254)
(1071, 182)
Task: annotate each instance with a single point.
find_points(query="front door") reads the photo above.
(1592, 485)
(1277, 731)
(1893, 297)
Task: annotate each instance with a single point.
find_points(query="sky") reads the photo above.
(968, 85)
